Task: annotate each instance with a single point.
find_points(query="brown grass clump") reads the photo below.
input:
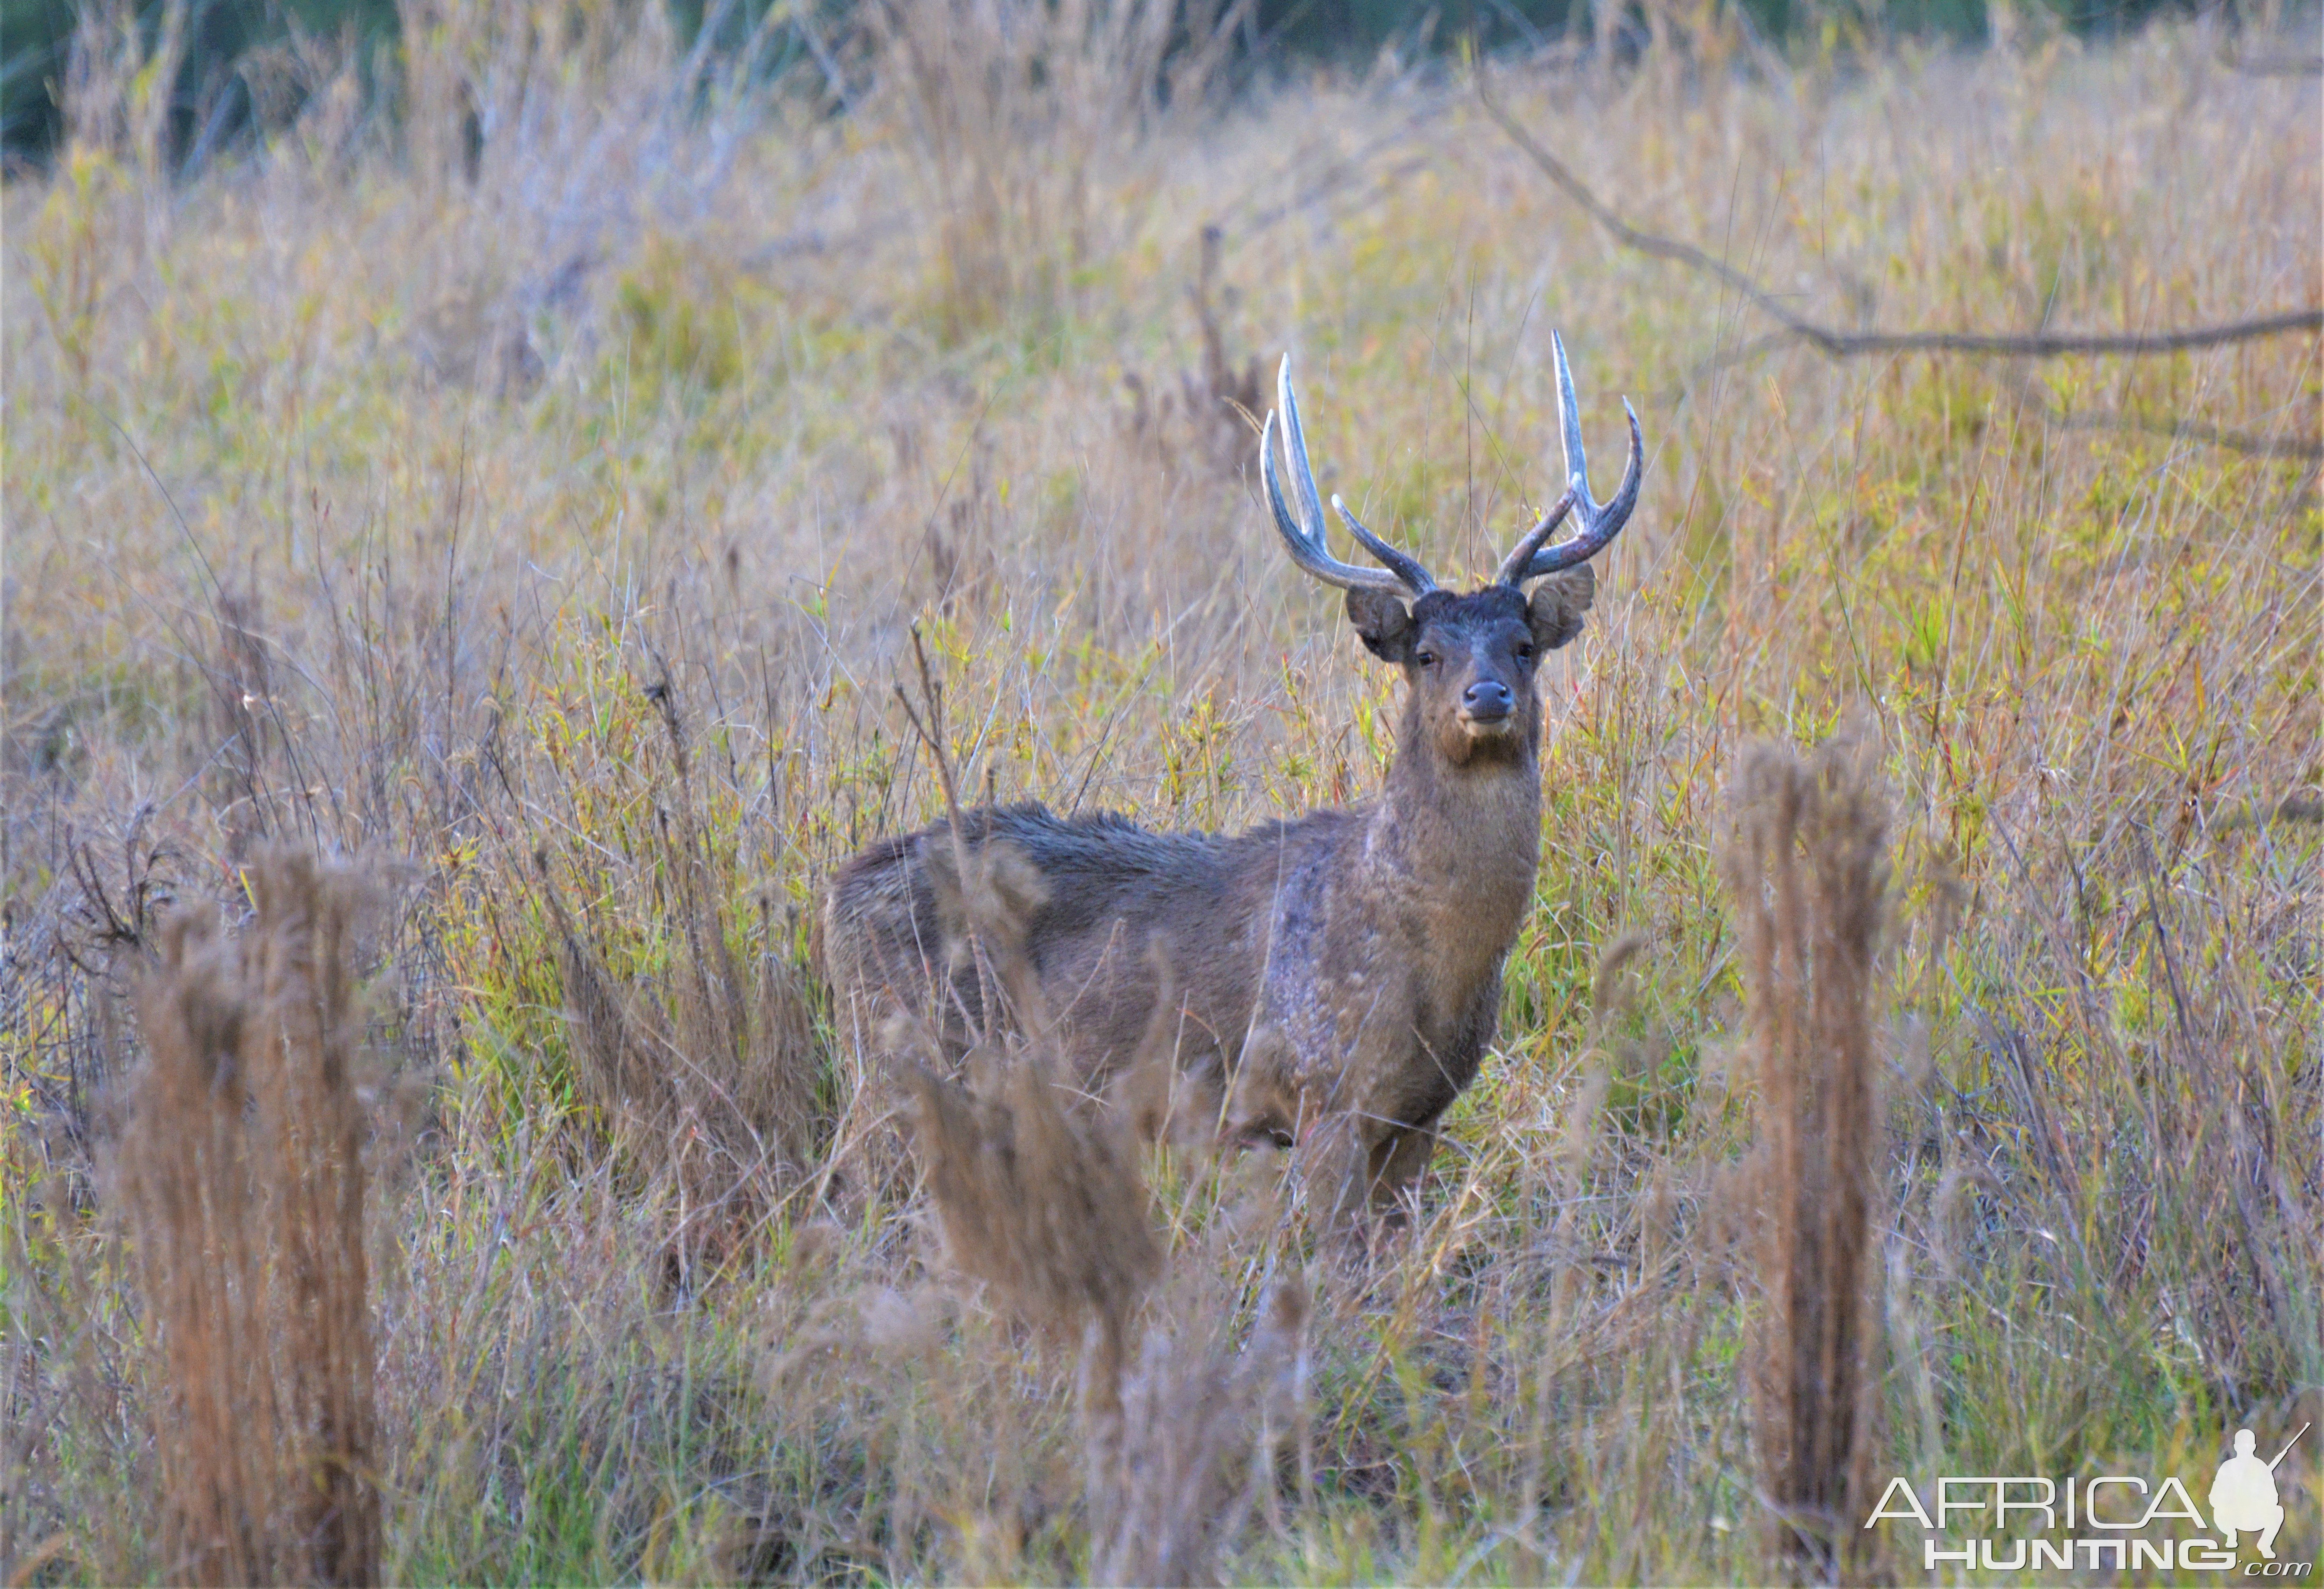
(1042, 1202)
(1039, 1194)
(1038, 1200)
(243, 1178)
(1807, 859)
(1044, 1206)
(1201, 1416)
(1179, 1420)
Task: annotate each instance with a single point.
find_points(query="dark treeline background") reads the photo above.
(211, 103)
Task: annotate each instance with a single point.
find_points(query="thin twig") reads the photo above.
(1836, 343)
(931, 734)
(2275, 66)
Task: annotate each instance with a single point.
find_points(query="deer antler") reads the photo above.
(1600, 522)
(1304, 533)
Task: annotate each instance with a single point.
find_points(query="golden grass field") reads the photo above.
(528, 499)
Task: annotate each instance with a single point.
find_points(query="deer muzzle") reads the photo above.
(1487, 708)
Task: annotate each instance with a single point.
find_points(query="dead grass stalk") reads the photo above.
(1807, 860)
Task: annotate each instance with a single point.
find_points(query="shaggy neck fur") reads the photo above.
(1460, 842)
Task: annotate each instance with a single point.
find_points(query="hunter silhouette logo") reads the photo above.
(2243, 1497)
(2109, 1522)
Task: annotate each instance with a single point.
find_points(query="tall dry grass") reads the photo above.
(388, 490)
(975, 83)
(707, 1073)
(242, 1180)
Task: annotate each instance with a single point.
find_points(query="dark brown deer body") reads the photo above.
(1334, 980)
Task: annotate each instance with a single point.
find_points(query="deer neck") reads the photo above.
(1459, 844)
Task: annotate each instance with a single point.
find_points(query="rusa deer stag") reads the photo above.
(1333, 980)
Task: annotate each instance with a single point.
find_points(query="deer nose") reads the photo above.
(1485, 701)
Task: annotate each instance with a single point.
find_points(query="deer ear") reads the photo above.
(1383, 623)
(1557, 606)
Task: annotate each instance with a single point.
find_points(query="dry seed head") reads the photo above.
(1948, 1211)
(243, 1180)
(1916, 1059)
(834, 1325)
(1287, 1306)
(1158, 1096)
(1807, 861)
(1658, 1213)
(1608, 996)
(1715, 1077)
(1251, 1199)
(1585, 1110)
(991, 911)
(898, 1325)
(1045, 1208)
(815, 1245)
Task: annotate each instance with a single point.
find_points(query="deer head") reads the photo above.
(1469, 658)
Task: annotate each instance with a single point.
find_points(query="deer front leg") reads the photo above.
(1396, 1167)
(1354, 1159)
(1419, 1094)
(1330, 1163)
(1316, 1071)
(1283, 1099)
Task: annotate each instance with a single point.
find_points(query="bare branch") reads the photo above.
(2274, 65)
(2201, 433)
(1837, 344)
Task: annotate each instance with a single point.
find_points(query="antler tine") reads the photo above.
(1303, 530)
(1295, 449)
(1520, 558)
(1307, 548)
(1600, 522)
(1405, 566)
